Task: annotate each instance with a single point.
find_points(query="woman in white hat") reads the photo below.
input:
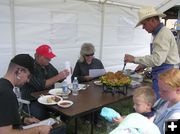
(164, 52)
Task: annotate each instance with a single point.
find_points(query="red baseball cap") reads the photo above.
(46, 51)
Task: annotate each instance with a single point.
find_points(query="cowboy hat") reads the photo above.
(148, 12)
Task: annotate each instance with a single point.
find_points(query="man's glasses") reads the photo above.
(87, 55)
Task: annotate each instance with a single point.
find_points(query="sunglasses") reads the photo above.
(87, 55)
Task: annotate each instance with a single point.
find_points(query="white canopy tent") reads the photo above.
(67, 24)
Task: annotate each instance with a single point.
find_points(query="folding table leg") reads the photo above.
(92, 122)
(75, 126)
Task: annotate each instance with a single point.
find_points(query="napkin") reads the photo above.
(109, 113)
(68, 67)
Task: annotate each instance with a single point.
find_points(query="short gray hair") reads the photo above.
(86, 48)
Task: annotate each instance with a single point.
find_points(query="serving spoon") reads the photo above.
(124, 66)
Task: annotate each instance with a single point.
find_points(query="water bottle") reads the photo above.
(75, 86)
(65, 90)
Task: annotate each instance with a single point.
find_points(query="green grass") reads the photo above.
(123, 107)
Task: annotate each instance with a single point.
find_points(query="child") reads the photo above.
(136, 123)
(143, 99)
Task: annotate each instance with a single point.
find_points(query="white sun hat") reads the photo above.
(148, 12)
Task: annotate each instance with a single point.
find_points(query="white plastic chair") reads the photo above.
(21, 101)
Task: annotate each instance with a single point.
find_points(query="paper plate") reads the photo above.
(98, 82)
(49, 99)
(65, 103)
(80, 86)
(58, 91)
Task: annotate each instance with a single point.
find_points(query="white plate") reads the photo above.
(80, 86)
(58, 91)
(98, 82)
(65, 103)
(48, 99)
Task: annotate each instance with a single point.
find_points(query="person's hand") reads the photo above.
(30, 120)
(129, 58)
(63, 74)
(118, 120)
(140, 68)
(44, 129)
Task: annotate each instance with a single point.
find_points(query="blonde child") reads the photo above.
(143, 99)
(137, 123)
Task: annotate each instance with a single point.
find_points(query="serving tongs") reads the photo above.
(124, 66)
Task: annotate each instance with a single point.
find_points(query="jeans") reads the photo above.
(37, 110)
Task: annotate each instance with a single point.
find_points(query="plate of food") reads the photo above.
(65, 103)
(49, 99)
(98, 82)
(59, 91)
(80, 86)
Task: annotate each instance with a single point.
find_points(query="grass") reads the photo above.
(123, 107)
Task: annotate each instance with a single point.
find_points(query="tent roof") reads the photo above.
(135, 3)
(162, 5)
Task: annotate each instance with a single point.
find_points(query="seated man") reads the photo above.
(29, 121)
(44, 77)
(18, 73)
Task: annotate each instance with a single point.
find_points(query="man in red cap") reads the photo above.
(46, 51)
(45, 76)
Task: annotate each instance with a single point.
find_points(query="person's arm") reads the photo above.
(97, 65)
(26, 119)
(60, 76)
(118, 120)
(35, 130)
(30, 120)
(139, 68)
(40, 81)
(162, 47)
(77, 73)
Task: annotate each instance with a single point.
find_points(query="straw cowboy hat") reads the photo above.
(148, 12)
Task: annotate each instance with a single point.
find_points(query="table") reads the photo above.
(88, 101)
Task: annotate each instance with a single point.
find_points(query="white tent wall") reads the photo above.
(120, 36)
(66, 24)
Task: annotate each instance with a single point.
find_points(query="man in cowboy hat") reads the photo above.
(44, 77)
(164, 52)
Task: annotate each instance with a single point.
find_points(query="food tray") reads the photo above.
(115, 89)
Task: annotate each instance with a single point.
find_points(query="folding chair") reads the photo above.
(21, 101)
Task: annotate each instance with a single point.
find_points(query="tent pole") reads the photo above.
(102, 32)
(178, 32)
(12, 19)
(166, 4)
